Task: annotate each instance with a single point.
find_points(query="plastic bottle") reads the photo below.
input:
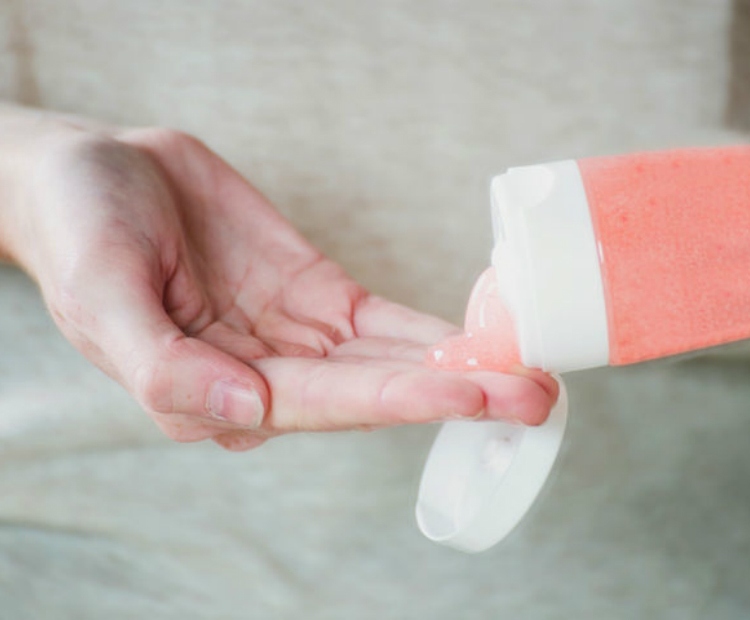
(616, 260)
(601, 261)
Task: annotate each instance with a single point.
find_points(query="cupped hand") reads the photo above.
(177, 278)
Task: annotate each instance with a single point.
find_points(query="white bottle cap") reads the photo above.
(481, 478)
(547, 261)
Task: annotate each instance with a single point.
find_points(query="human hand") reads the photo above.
(166, 269)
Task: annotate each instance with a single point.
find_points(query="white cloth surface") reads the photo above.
(375, 128)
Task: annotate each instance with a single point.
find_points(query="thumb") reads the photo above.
(192, 390)
(177, 377)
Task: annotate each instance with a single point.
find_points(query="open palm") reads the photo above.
(176, 277)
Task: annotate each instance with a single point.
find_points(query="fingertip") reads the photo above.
(514, 398)
(534, 409)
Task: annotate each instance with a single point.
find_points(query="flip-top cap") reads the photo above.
(481, 478)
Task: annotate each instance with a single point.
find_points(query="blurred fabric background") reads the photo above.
(375, 128)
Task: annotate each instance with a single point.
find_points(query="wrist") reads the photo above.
(27, 138)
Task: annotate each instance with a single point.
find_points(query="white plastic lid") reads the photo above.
(547, 261)
(481, 478)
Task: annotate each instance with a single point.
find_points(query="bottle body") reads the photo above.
(674, 229)
(616, 260)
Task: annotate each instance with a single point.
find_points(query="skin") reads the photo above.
(177, 278)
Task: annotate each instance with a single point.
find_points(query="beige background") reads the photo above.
(375, 127)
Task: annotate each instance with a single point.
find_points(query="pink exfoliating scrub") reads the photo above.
(489, 338)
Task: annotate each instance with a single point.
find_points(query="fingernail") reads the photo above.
(233, 403)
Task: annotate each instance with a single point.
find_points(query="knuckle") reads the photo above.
(302, 418)
(97, 171)
(385, 387)
(68, 306)
(96, 147)
(86, 152)
(165, 137)
(387, 400)
(179, 138)
(152, 388)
